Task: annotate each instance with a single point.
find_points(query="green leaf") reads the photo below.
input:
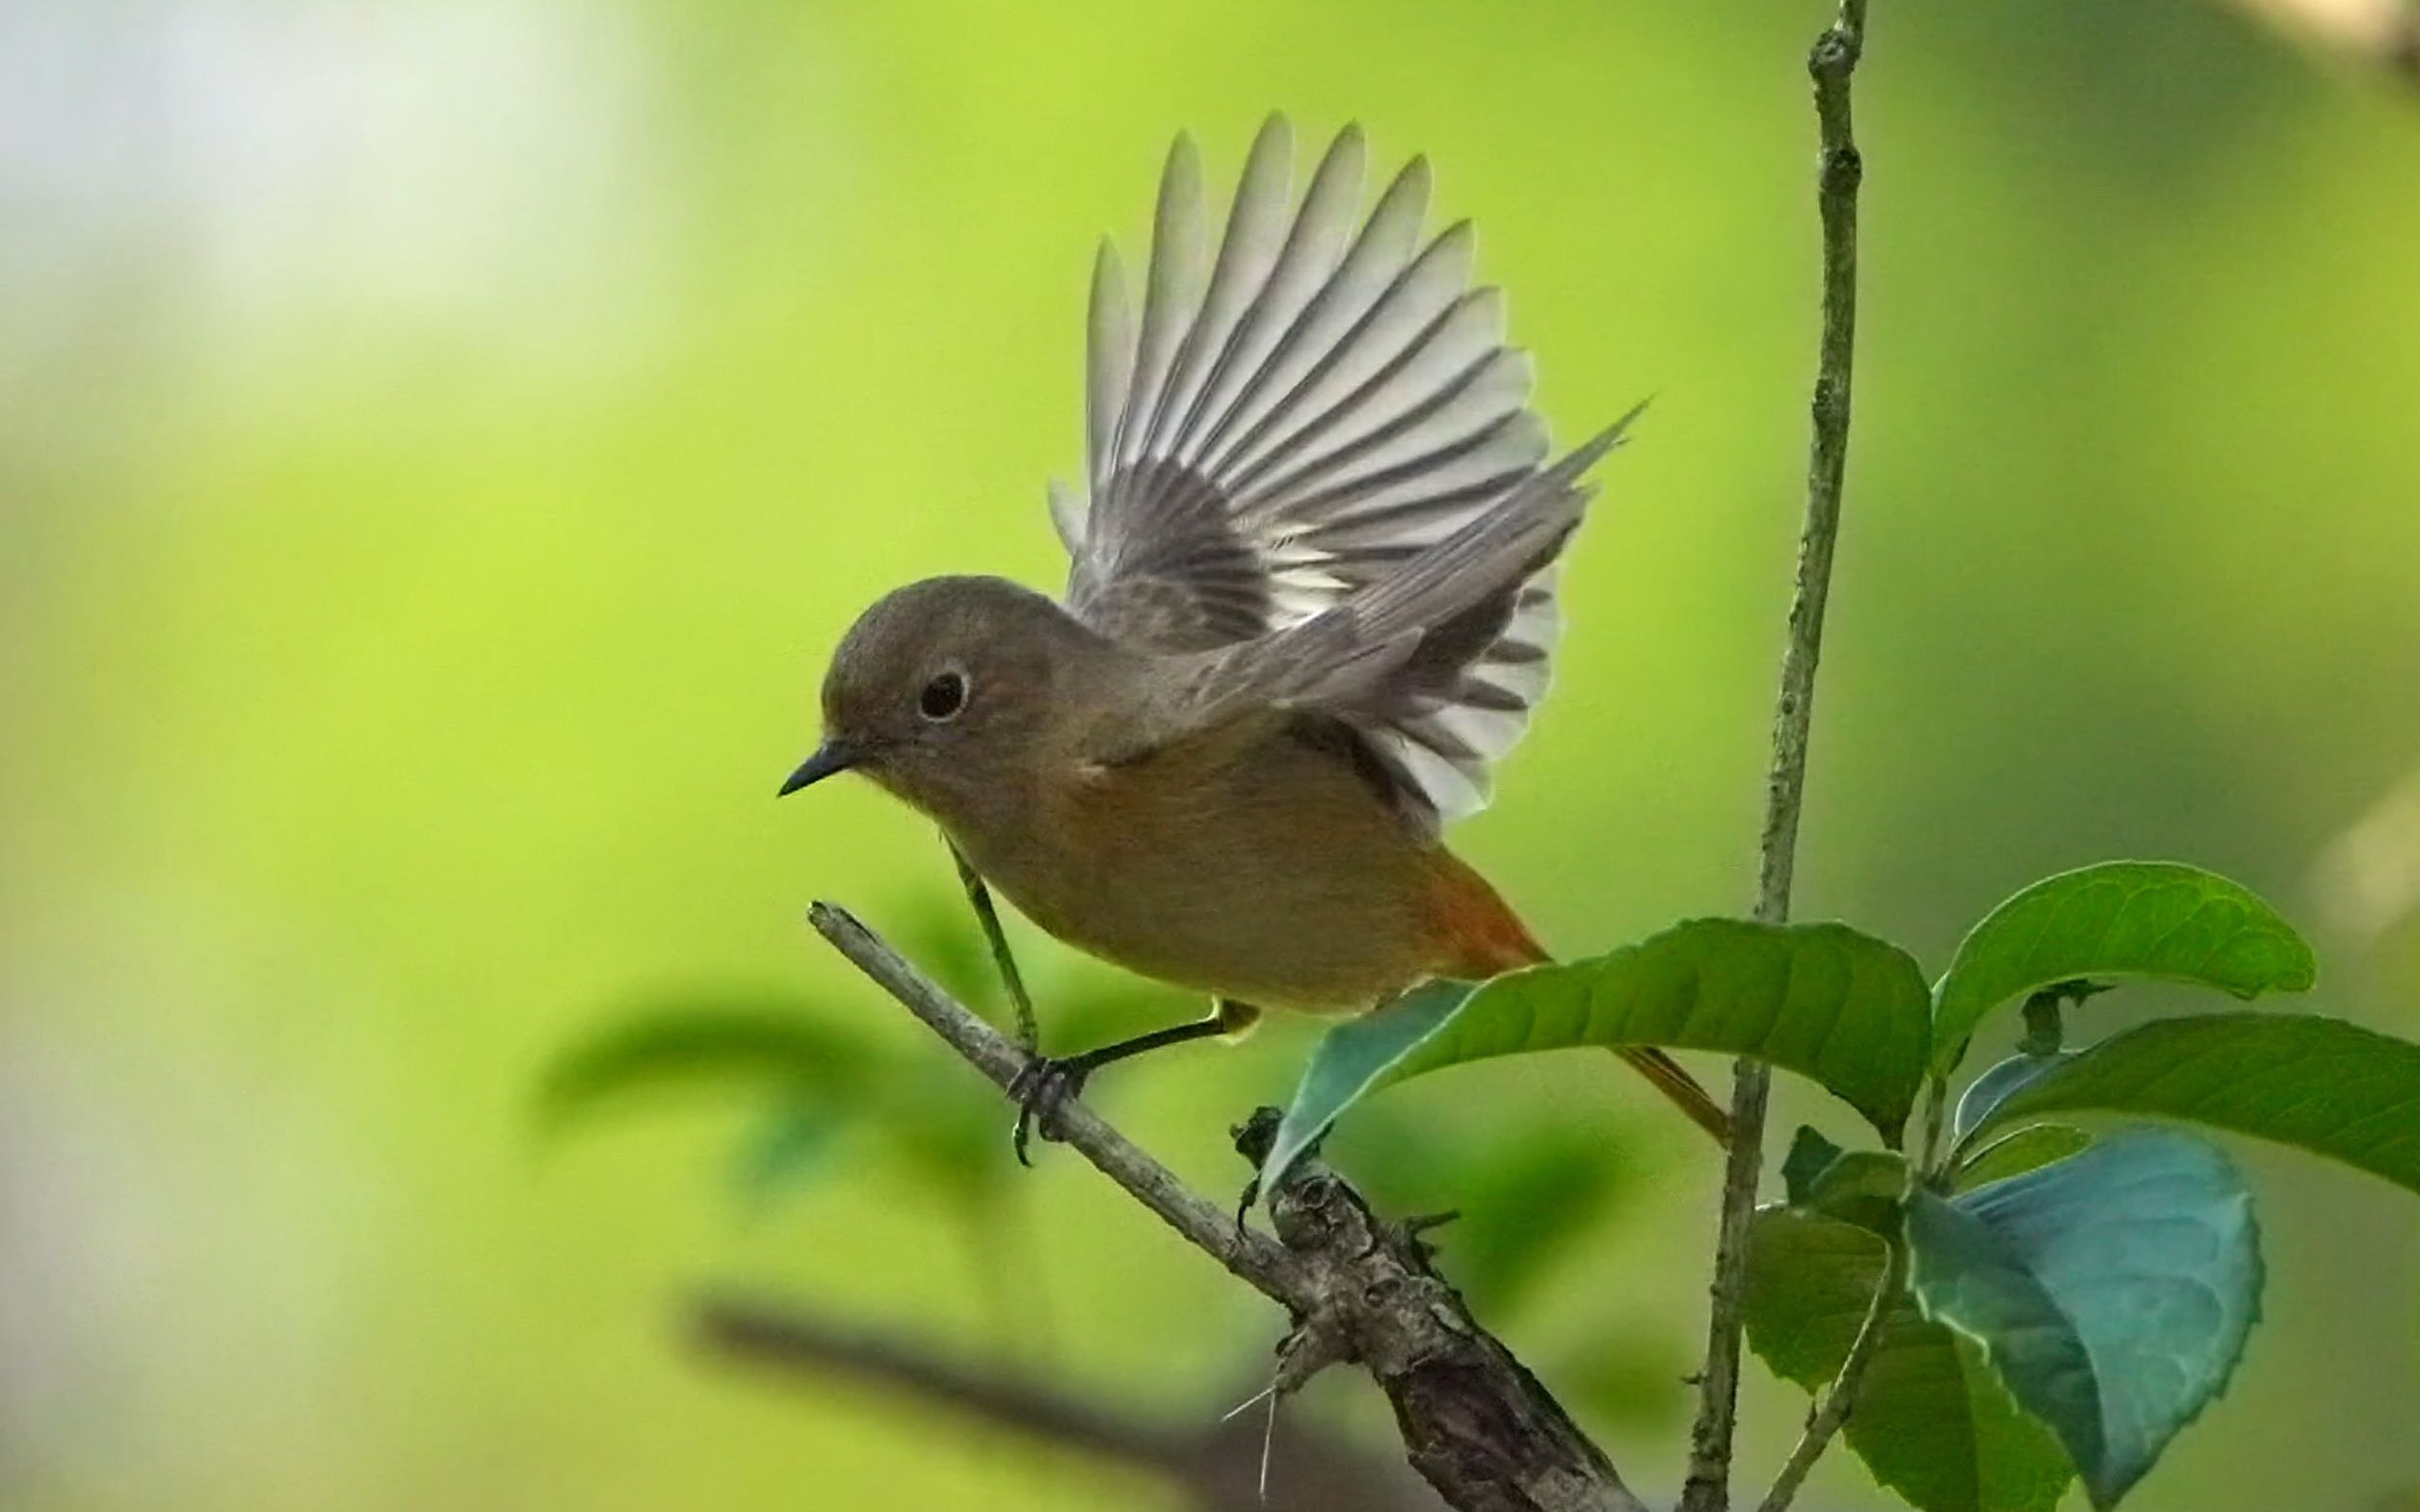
(1860, 1186)
(1810, 1155)
(1527, 1205)
(2319, 1084)
(2016, 1153)
(715, 1042)
(2111, 1291)
(2125, 919)
(1821, 1000)
(944, 1125)
(1932, 1421)
(1530, 1185)
(792, 1145)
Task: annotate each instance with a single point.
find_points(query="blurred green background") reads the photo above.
(438, 444)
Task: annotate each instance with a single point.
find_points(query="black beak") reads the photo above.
(830, 757)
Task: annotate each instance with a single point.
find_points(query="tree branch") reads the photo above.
(1475, 1423)
(1207, 1227)
(1831, 64)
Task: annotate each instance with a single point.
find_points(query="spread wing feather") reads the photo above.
(1315, 482)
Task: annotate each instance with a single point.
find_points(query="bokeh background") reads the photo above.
(438, 443)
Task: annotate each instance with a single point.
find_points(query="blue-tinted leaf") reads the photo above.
(1846, 1009)
(1932, 1421)
(2322, 1085)
(2111, 1291)
(1354, 1059)
(1990, 1089)
(2120, 919)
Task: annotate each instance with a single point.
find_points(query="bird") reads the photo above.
(1312, 600)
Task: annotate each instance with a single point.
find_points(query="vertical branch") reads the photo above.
(1831, 64)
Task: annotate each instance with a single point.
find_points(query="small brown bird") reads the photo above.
(1312, 602)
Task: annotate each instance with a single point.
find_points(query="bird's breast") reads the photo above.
(1272, 875)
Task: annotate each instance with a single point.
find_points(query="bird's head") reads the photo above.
(943, 693)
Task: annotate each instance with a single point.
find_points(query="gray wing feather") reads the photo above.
(1493, 553)
(1308, 347)
(1403, 643)
(1172, 291)
(1256, 232)
(1339, 384)
(1314, 476)
(1313, 246)
(1109, 370)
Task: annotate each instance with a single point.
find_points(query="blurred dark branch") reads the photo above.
(1839, 171)
(1217, 1465)
(1475, 1423)
(791, 1341)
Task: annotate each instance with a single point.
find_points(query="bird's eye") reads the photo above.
(943, 696)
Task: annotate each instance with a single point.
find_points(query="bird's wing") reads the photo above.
(1386, 658)
(1297, 422)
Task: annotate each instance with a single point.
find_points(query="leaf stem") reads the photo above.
(1833, 1410)
(1937, 1102)
(2045, 1024)
(1028, 1029)
(1831, 64)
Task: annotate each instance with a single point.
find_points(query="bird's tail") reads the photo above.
(1483, 937)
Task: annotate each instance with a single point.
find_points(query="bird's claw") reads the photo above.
(1041, 1091)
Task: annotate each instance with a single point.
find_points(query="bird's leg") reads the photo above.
(1049, 1082)
(1028, 1035)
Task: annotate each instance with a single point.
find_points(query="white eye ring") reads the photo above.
(944, 697)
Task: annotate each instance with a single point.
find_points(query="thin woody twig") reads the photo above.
(1207, 1227)
(1832, 63)
(1475, 1423)
(1833, 1410)
(978, 893)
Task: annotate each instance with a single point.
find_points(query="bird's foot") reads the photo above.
(1043, 1088)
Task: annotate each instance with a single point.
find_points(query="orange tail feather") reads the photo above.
(1480, 937)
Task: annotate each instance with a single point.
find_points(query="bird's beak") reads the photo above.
(834, 755)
